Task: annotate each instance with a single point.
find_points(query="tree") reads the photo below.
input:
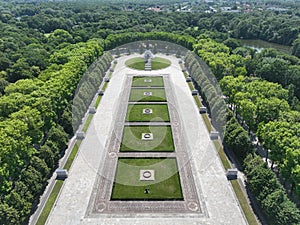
(8, 214)
(60, 36)
(269, 109)
(40, 165)
(47, 155)
(19, 203)
(33, 119)
(3, 85)
(33, 179)
(247, 109)
(296, 47)
(20, 70)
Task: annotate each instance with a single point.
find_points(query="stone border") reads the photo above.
(100, 204)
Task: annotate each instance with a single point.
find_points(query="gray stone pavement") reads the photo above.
(147, 123)
(100, 202)
(221, 206)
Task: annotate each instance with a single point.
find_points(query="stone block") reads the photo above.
(202, 110)
(232, 174)
(195, 92)
(214, 135)
(92, 110)
(80, 135)
(188, 79)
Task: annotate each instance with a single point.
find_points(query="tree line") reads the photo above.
(259, 106)
(36, 121)
(46, 48)
(30, 32)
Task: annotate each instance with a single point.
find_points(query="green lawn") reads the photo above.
(137, 95)
(191, 86)
(50, 202)
(137, 63)
(159, 113)
(207, 122)
(197, 100)
(104, 86)
(243, 203)
(87, 123)
(222, 155)
(166, 186)
(72, 155)
(98, 101)
(159, 63)
(155, 82)
(132, 139)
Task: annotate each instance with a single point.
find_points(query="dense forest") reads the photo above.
(46, 47)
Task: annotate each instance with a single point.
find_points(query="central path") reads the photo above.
(212, 200)
(101, 203)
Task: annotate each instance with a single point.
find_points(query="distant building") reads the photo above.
(155, 9)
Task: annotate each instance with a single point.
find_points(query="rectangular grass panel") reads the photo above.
(159, 113)
(137, 95)
(141, 81)
(165, 186)
(132, 139)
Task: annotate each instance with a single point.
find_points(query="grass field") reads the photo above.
(166, 186)
(222, 155)
(132, 139)
(72, 155)
(140, 82)
(137, 95)
(191, 86)
(98, 101)
(197, 100)
(207, 122)
(87, 123)
(104, 86)
(159, 113)
(50, 202)
(137, 63)
(243, 203)
(159, 63)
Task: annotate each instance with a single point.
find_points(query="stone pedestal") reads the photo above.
(232, 174)
(92, 110)
(61, 174)
(147, 175)
(148, 93)
(202, 110)
(214, 135)
(100, 92)
(80, 135)
(195, 92)
(147, 136)
(147, 111)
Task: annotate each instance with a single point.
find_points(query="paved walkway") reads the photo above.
(220, 204)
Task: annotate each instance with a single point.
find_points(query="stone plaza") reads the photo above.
(208, 197)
